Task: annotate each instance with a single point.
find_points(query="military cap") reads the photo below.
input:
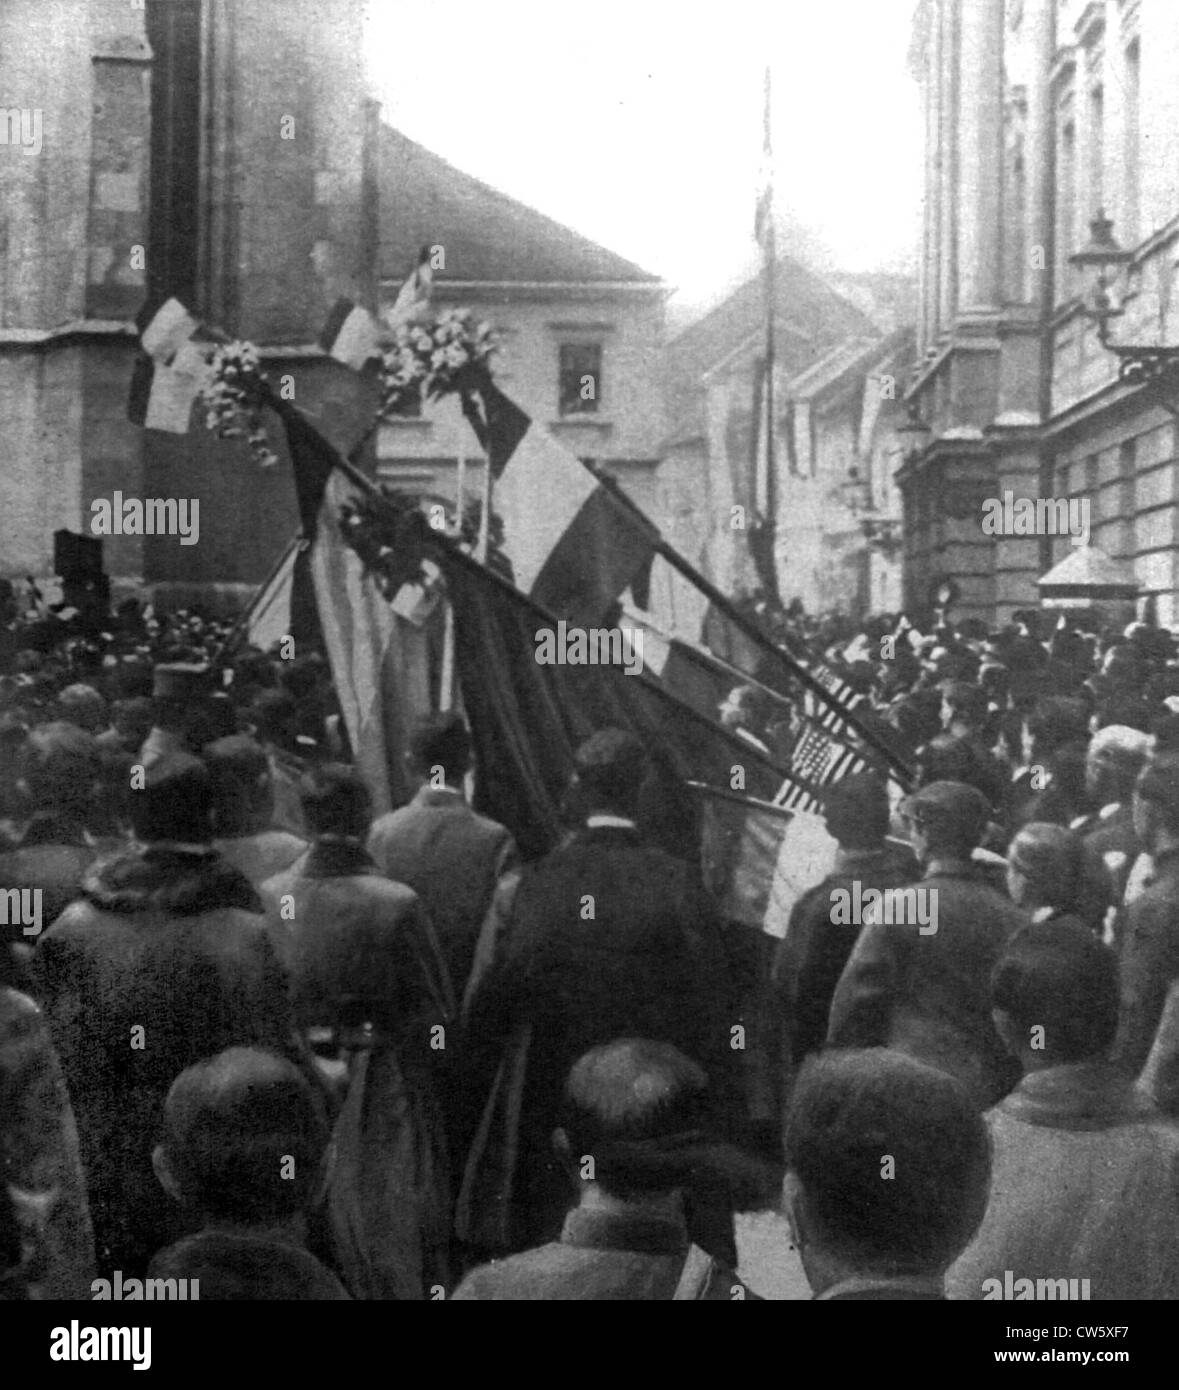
(948, 803)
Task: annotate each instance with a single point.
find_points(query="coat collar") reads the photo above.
(641, 1233)
(179, 881)
(1078, 1096)
(331, 858)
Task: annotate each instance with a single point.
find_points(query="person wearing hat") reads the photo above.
(604, 937)
(243, 807)
(924, 992)
(162, 960)
(1115, 758)
(965, 714)
(178, 693)
(810, 957)
(1147, 939)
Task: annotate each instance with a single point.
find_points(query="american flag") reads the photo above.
(817, 761)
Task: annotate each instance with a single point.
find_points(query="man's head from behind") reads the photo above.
(1054, 995)
(243, 1139)
(888, 1166)
(440, 749)
(242, 793)
(946, 820)
(335, 801)
(1115, 757)
(634, 1107)
(856, 811)
(175, 802)
(610, 768)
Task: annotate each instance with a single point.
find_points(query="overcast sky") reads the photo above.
(638, 122)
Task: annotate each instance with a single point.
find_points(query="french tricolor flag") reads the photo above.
(573, 543)
(170, 371)
(350, 335)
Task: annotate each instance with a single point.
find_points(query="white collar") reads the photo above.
(614, 822)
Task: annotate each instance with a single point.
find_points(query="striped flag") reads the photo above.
(170, 371)
(759, 859)
(818, 761)
(573, 544)
(320, 594)
(351, 335)
(413, 299)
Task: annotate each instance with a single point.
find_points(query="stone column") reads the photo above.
(1039, 151)
(980, 154)
(946, 134)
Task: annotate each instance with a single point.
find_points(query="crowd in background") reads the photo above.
(253, 1036)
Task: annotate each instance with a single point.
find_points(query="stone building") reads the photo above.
(563, 308)
(217, 150)
(841, 357)
(1041, 114)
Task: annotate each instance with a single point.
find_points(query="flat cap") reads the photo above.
(948, 803)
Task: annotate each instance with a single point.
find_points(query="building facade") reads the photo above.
(580, 329)
(839, 374)
(195, 148)
(1041, 115)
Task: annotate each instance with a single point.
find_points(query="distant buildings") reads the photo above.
(1039, 114)
(840, 364)
(581, 329)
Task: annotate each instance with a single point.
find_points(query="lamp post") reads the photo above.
(1137, 362)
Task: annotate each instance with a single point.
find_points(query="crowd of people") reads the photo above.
(256, 1041)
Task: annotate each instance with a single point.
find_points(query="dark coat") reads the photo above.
(649, 963)
(170, 941)
(452, 858)
(811, 956)
(361, 949)
(247, 1268)
(1111, 846)
(1149, 935)
(929, 995)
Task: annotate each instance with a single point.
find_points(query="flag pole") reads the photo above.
(783, 659)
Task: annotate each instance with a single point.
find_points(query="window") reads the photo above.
(1096, 163)
(580, 384)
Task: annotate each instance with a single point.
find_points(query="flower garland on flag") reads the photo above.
(232, 398)
(434, 360)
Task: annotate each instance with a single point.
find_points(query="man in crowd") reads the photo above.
(1086, 1174)
(243, 808)
(818, 940)
(448, 854)
(923, 991)
(1147, 935)
(1115, 758)
(635, 1133)
(605, 937)
(163, 959)
(887, 1168)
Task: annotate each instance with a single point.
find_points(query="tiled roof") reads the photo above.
(486, 234)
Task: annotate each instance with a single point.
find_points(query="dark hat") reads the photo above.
(181, 681)
(953, 805)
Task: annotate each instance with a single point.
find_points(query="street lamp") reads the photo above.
(913, 431)
(1104, 257)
